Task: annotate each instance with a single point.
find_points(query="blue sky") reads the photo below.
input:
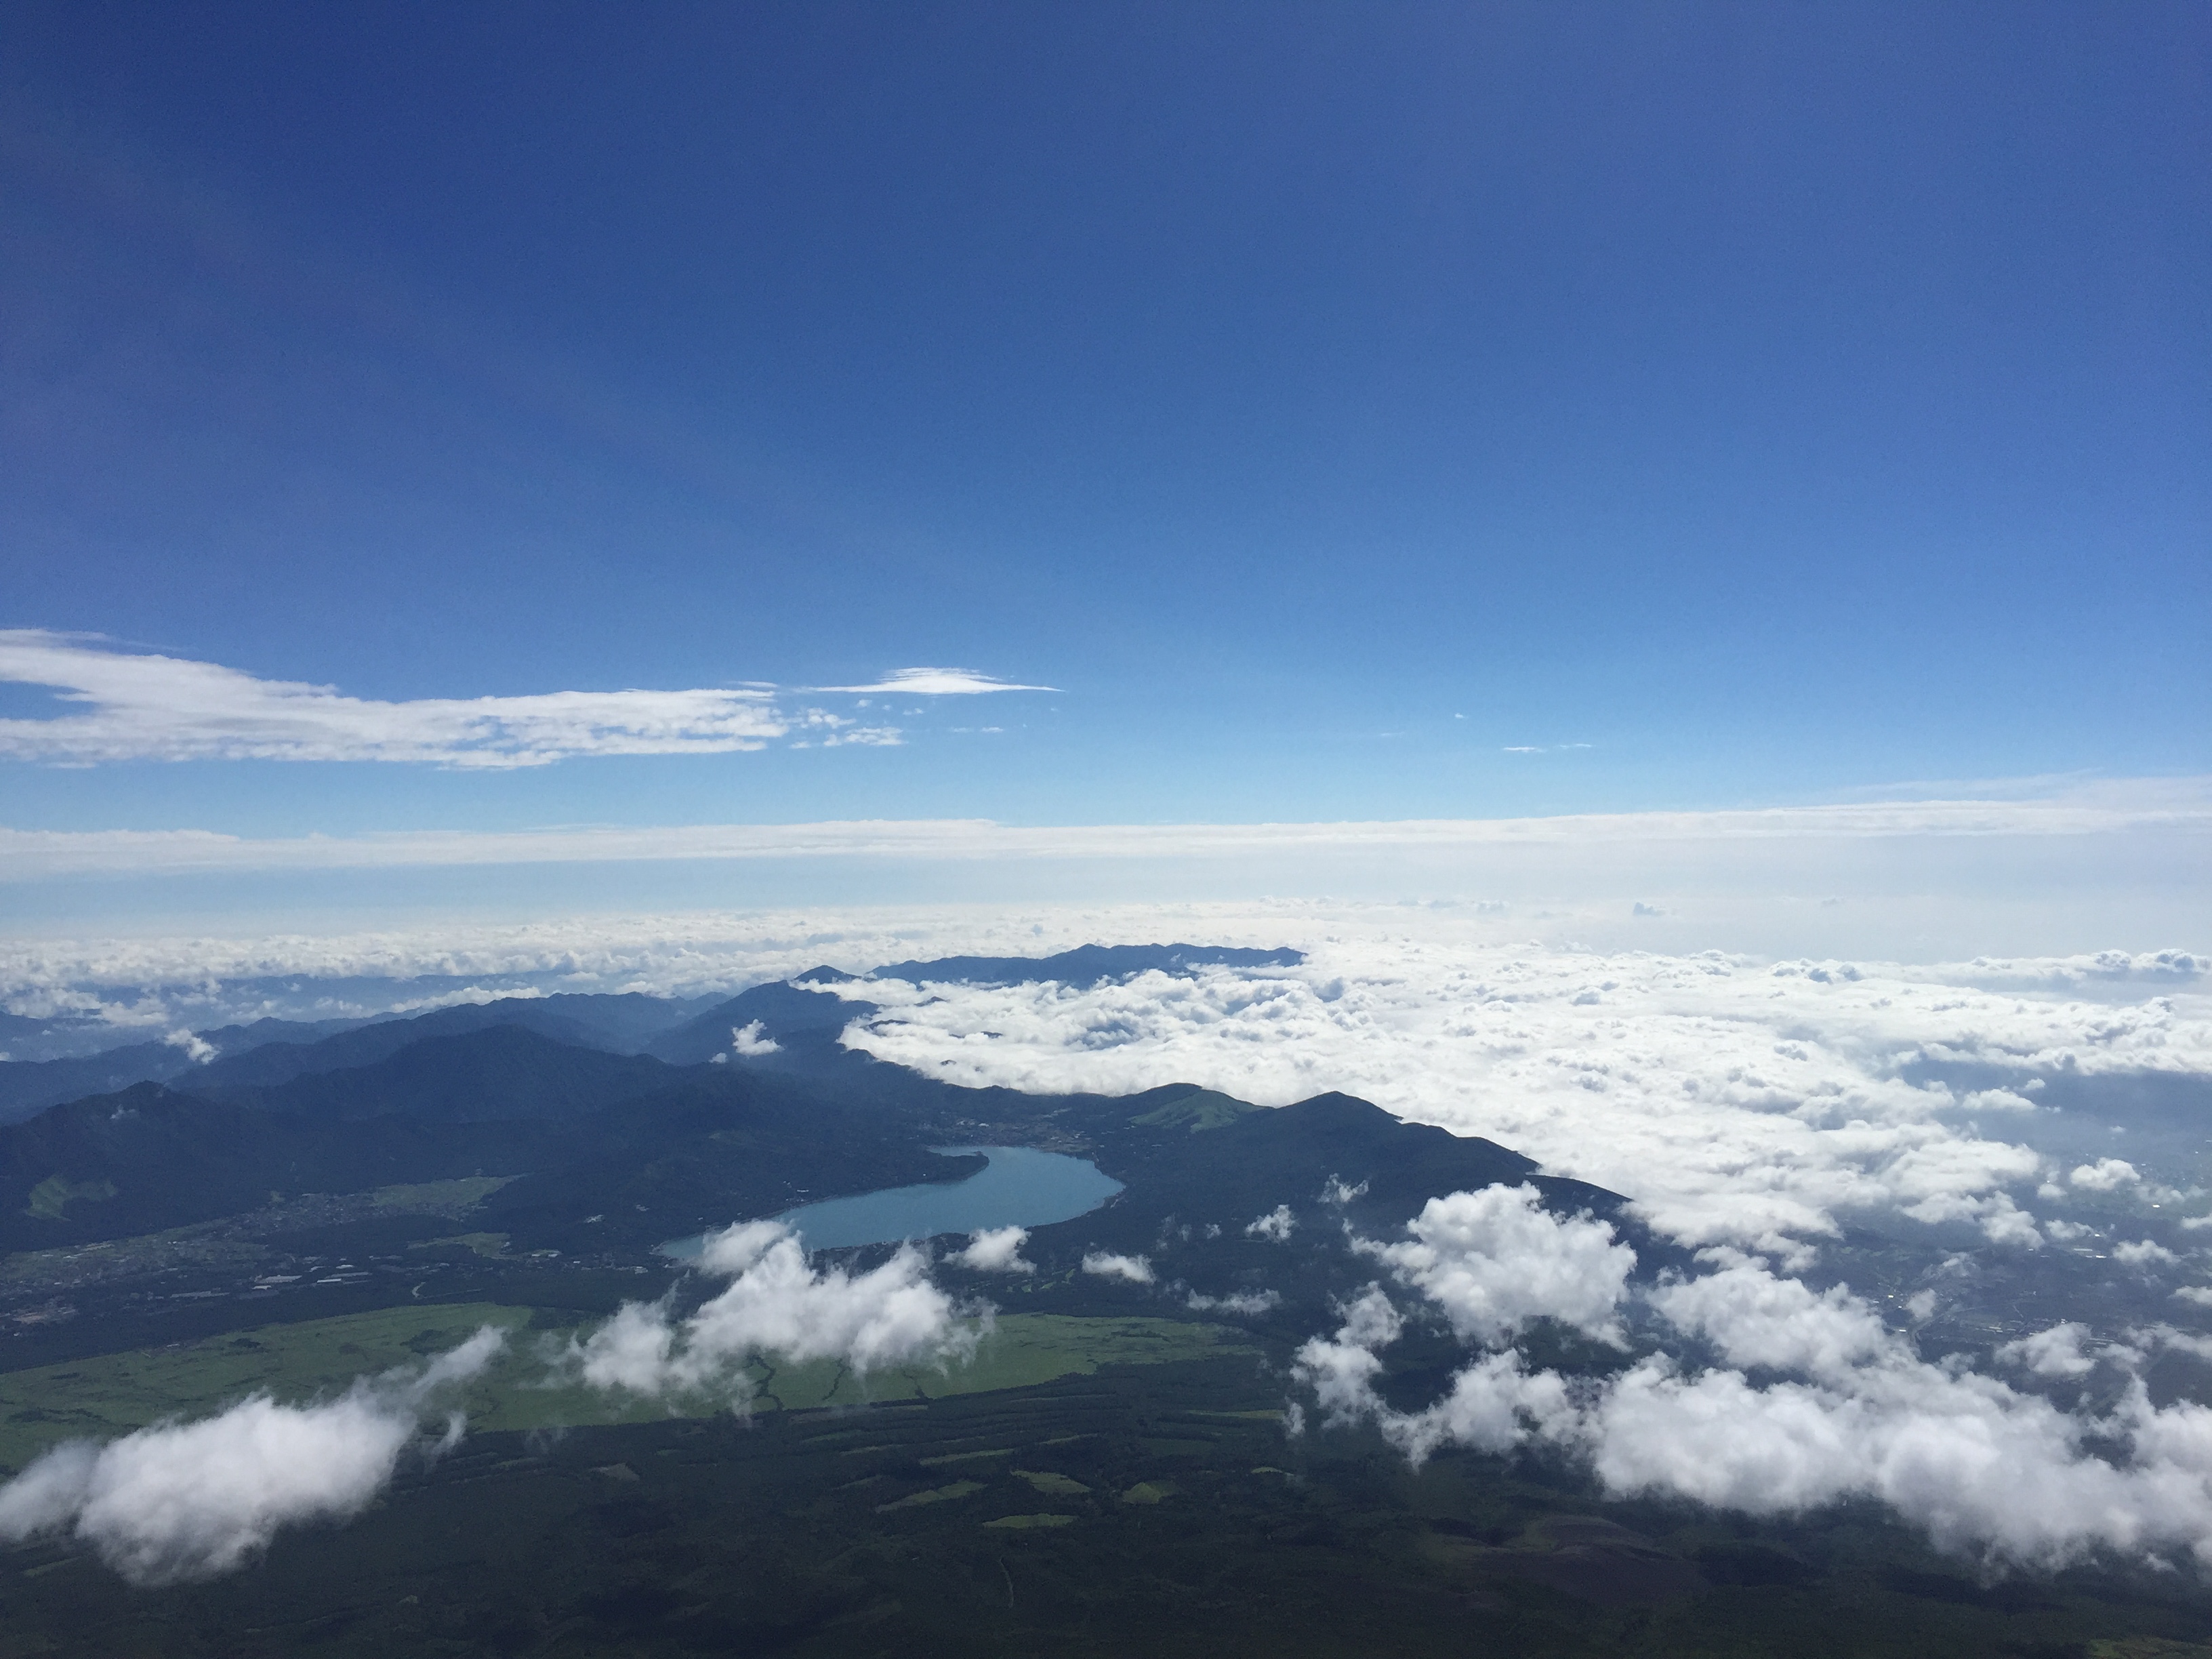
(1783, 403)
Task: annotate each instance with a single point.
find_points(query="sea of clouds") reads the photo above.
(1755, 1112)
(1739, 1102)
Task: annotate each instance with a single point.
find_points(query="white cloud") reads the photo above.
(1979, 1464)
(1275, 1225)
(777, 1305)
(751, 1039)
(2199, 1294)
(1753, 1318)
(198, 1049)
(995, 1250)
(1341, 1369)
(1137, 1269)
(181, 1501)
(1496, 1258)
(936, 683)
(2104, 1176)
(2165, 1336)
(128, 705)
(1484, 1408)
(2057, 1351)
(1247, 1302)
(2143, 1252)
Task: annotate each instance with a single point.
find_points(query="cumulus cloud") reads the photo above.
(1487, 1407)
(133, 706)
(1753, 1318)
(1976, 1463)
(1981, 1466)
(2143, 1252)
(1276, 1225)
(198, 1049)
(995, 1250)
(936, 683)
(752, 1039)
(2057, 1352)
(2105, 1174)
(1137, 1269)
(181, 1501)
(777, 1305)
(1496, 1258)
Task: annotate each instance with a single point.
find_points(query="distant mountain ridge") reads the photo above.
(28, 1087)
(271, 1051)
(497, 1072)
(801, 1024)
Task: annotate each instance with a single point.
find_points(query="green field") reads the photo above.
(103, 1397)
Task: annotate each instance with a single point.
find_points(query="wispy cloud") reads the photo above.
(139, 706)
(935, 683)
(35, 854)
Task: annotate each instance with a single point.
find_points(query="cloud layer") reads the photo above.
(320, 725)
(1737, 1103)
(181, 1501)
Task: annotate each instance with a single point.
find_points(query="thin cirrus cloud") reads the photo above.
(2156, 807)
(143, 706)
(935, 683)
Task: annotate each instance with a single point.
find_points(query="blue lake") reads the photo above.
(1020, 1187)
